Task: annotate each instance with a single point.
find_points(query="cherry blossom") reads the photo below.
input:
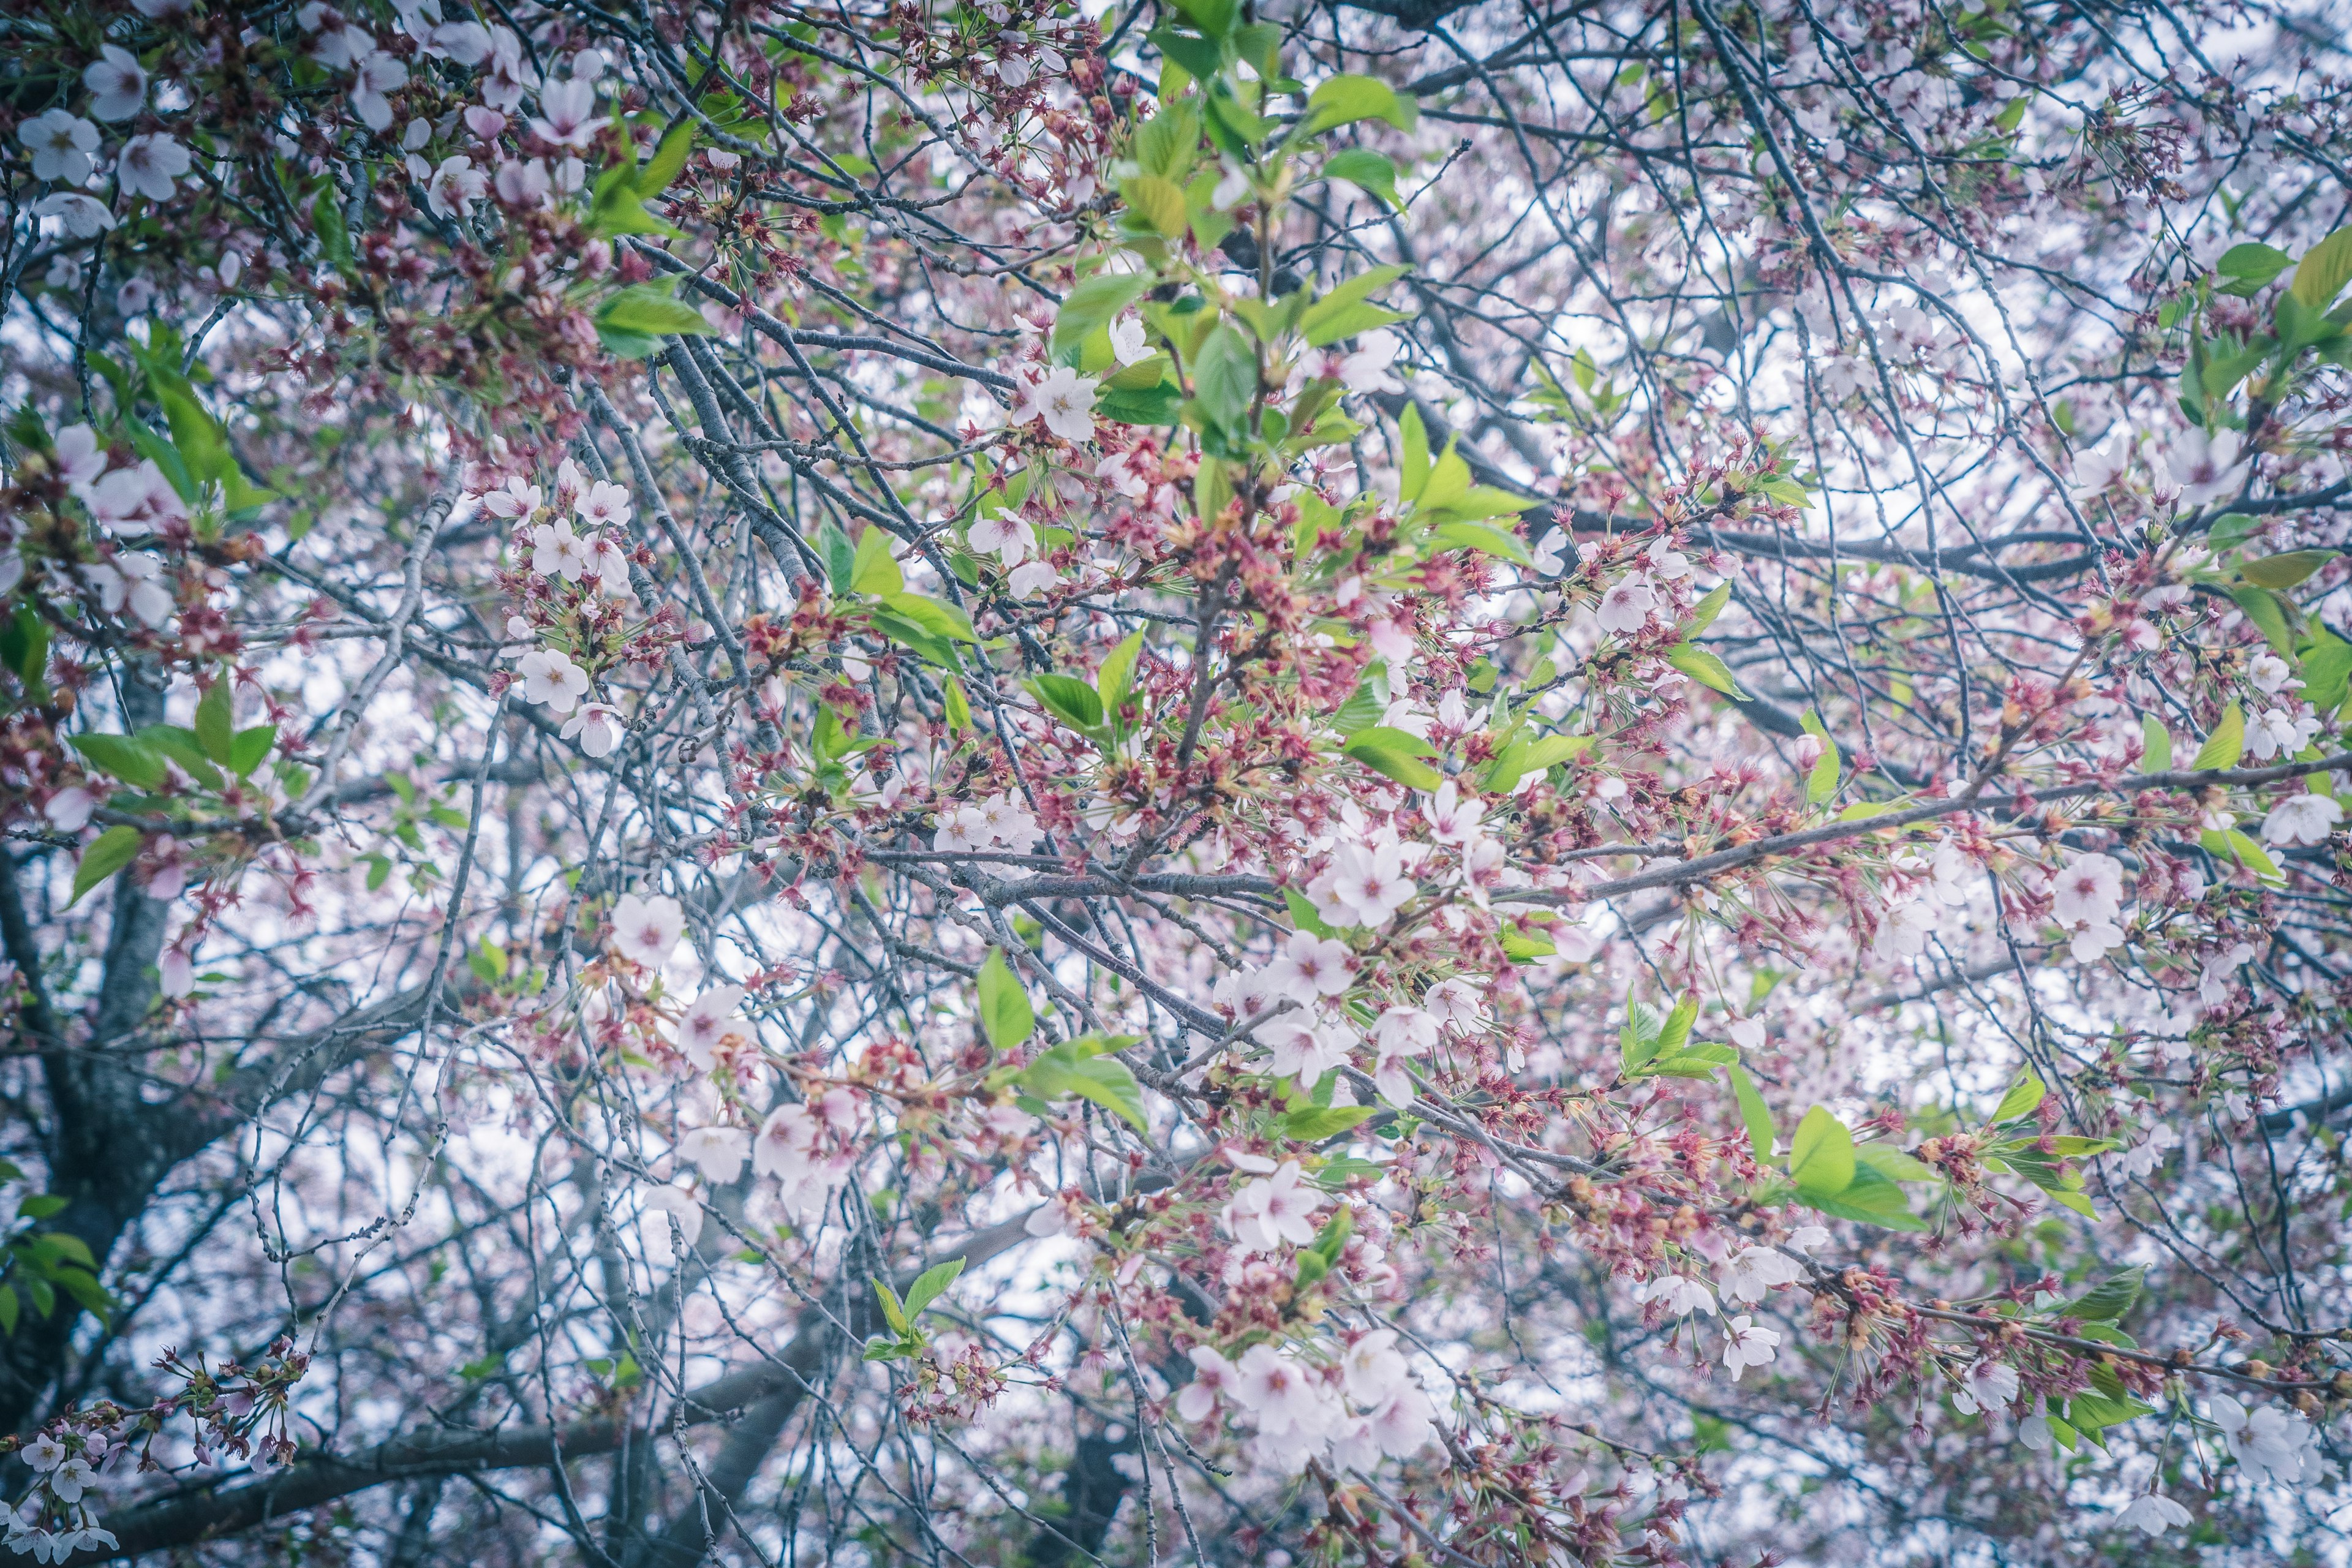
(116, 83)
(647, 929)
(63, 145)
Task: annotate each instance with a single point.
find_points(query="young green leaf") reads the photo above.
(1821, 1156)
(1005, 1014)
(930, 1284)
(108, 853)
(2226, 744)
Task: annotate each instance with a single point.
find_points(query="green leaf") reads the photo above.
(215, 723)
(2107, 1302)
(1406, 770)
(1005, 1011)
(1522, 945)
(649, 310)
(489, 961)
(1706, 668)
(1870, 1198)
(2157, 742)
(654, 176)
(1092, 306)
(959, 706)
(1319, 316)
(2023, 1096)
(892, 1312)
(1344, 99)
(1371, 171)
(1448, 482)
(1072, 1069)
(1703, 614)
(181, 747)
(1480, 502)
(1115, 680)
(1637, 1038)
(250, 748)
(334, 234)
(41, 1205)
(1314, 1123)
(872, 569)
(2232, 844)
(1303, 915)
(132, 761)
(1823, 782)
(1225, 375)
(1674, 1033)
(1525, 756)
(2327, 670)
(2253, 263)
(25, 646)
(1213, 17)
(1894, 1163)
(1412, 465)
(1754, 1114)
(9, 1310)
(2284, 571)
(1485, 538)
(108, 853)
(936, 618)
(931, 1285)
(2323, 270)
(1160, 203)
(1821, 1157)
(1167, 143)
(1070, 700)
(2268, 613)
(2226, 744)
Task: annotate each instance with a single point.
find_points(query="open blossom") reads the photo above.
(1753, 1271)
(1402, 1034)
(567, 112)
(2301, 819)
(456, 187)
(557, 552)
(1747, 1343)
(2089, 887)
(1366, 368)
(81, 216)
(1453, 818)
(602, 505)
(1063, 399)
(1273, 1210)
(1309, 967)
(1365, 885)
(2268, 1441)
(551, 677)
(1212, 1376)
(1305, 1048)
(62, 144)
(2271, 673)
(1990, 1386)
(2205, 464)
(1006, 534)
(133, 579)
(1905, 931)
(2276, 731)
(1681, 1295)
(597, 726)
(149, 164)
(2152, 1513)
(116, 83)
(716, 1151)
(663, 1207)
(707, 1021)
(379, 76)
(1625, 607)
(646, 929)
